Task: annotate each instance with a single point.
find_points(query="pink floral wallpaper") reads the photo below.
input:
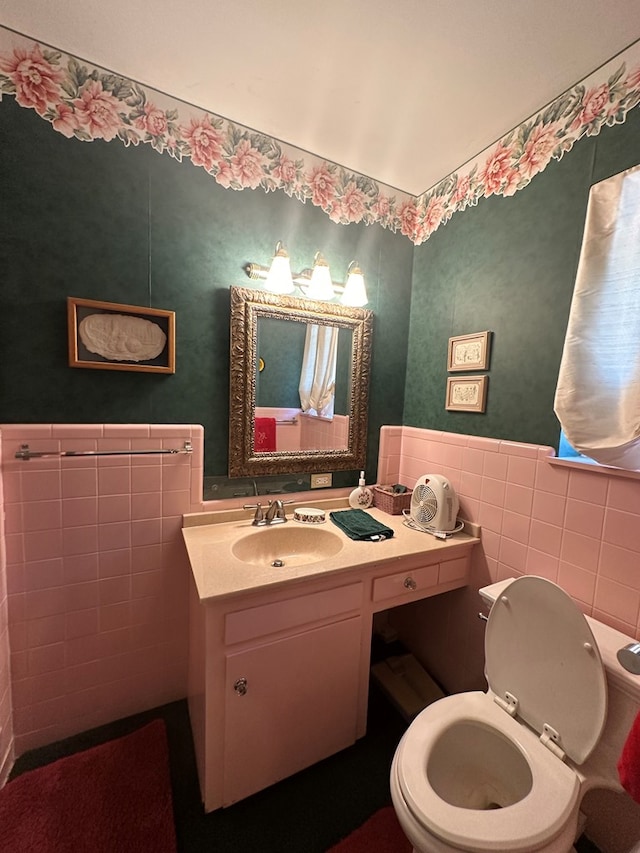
(88, 103)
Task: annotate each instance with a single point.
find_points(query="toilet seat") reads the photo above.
(540, 652)
(485, 771)
(535, 819)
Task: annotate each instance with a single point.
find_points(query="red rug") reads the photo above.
(380, 834)
(113, 798)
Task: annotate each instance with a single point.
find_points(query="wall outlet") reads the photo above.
(321, 481)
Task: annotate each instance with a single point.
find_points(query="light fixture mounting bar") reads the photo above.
(258, 272)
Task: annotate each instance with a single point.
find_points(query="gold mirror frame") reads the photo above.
(247, 307)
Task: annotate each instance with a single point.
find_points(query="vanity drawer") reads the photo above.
(291, 613)
(454, 570)
(410, 582)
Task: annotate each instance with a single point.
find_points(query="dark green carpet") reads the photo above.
(308, 813)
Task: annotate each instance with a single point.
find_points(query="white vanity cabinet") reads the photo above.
(289, 700)
(289, 704)
(275, 686)
(279, 670)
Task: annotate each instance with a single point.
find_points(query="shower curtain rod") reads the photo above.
(25, 453)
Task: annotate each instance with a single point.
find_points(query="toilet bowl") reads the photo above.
(483, 784)
(506, 770)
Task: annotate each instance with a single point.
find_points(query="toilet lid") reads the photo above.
(539, 648)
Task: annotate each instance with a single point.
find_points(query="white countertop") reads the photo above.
(218, 573)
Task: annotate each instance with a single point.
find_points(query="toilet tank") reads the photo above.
(623, 696)
(490, 593)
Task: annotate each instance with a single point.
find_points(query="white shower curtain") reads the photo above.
(598, 393)
(318, 375)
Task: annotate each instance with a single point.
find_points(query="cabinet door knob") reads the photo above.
(410, 583)
(241, 686)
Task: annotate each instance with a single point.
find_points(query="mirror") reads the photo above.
(268, 338)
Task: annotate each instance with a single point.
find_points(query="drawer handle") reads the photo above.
(409, 583)
(241, 686)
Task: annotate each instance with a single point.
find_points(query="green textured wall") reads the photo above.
(508, 265)
(281, 347)
(100, 221)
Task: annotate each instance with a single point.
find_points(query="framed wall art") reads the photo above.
(111, 336)
(469, 352)
(466, 393)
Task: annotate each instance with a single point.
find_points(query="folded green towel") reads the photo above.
(358, 524)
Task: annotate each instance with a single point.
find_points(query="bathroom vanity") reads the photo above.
(279, 655)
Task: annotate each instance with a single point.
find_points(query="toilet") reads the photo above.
(506, 770)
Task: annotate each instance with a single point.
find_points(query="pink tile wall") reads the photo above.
(96, 573)
(576, 525)
(318, 434)
(307, 433)
(6, 722)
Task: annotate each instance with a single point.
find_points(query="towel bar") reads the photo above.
(25, 453)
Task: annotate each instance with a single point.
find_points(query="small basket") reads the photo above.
(389, 502)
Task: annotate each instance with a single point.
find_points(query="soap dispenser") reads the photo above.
(362, 497)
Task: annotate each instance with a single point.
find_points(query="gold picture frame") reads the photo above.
(469, 352)
(466, 393)
(114, 336)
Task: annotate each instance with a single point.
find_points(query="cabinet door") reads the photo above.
(289, 704)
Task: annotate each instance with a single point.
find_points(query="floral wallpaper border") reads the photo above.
(88, 103)
(601, 100)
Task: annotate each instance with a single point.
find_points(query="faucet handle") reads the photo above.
(259, 516)
(281, 508)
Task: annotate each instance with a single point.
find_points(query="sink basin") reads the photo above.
(287, 546)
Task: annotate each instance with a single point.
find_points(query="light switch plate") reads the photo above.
(321, 481)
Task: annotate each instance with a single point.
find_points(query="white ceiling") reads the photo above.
(404, 91)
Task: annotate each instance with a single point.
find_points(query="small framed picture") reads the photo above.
(466, 393)
(469, 352)
(111, 336)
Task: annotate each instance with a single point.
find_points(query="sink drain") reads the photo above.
(277, 564)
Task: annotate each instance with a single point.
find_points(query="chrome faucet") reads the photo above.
(275, 513)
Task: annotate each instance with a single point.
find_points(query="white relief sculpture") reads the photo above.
(118, 337)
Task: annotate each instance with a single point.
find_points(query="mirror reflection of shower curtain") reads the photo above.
(318, 375)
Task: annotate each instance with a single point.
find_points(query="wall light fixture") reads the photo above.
(315, 283)
(279, 278)
(320, 285)
(355, 293)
